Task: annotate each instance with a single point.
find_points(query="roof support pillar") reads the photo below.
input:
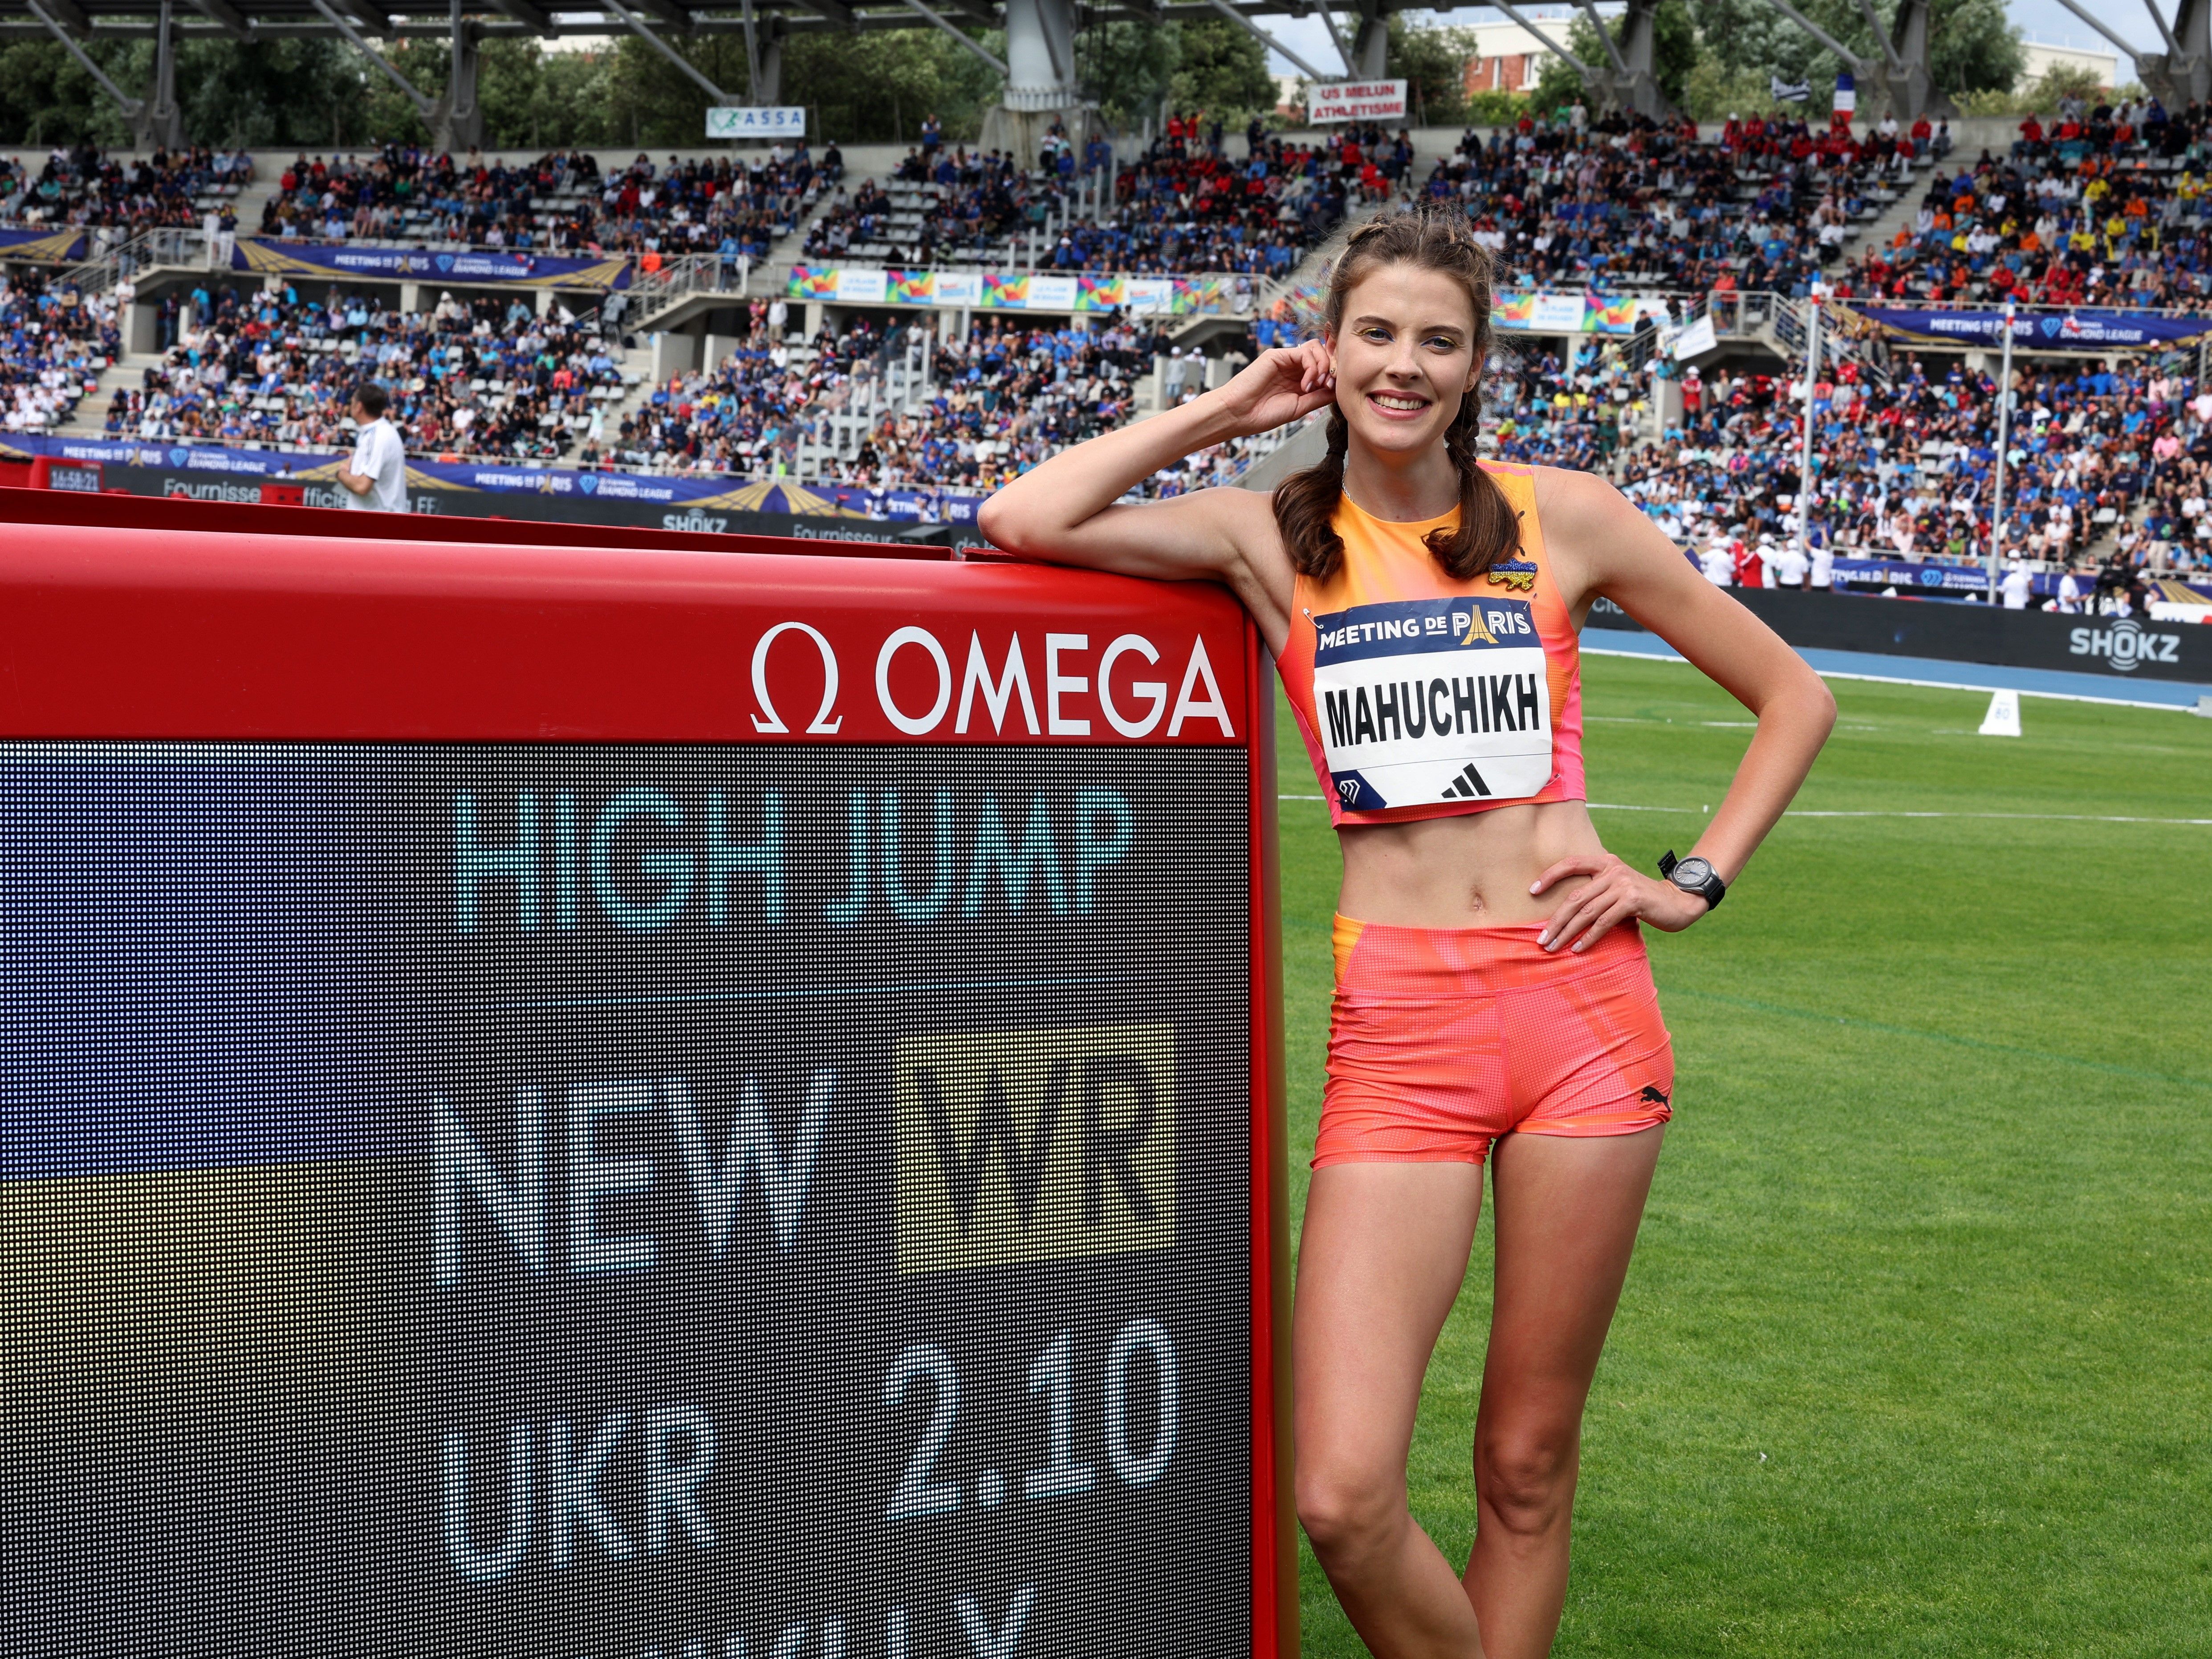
(1639, 79)
(457, 123)
(141, 113)
(1371, 43)
(2184, 71)
(767, 86)
(163, 123)
(1904, 72)
(1040, 55)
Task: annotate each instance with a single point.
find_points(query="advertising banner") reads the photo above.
(41, 246)
(205, 472)
(1049, 293)
(273, 256)
(742, 121)
(1550, 313)
(1331, 101)
(862, 287)
(1695, 340)
(2121, 646)
(2047, 331)
(1020, 290)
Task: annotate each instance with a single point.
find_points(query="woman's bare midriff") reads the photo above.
(1470, 871)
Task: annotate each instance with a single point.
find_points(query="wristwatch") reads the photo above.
(1694, 875)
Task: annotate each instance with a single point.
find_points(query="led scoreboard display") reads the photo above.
(608, 1102)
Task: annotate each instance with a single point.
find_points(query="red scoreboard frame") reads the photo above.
(128, 619)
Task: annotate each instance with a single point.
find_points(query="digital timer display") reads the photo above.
(590, 1200)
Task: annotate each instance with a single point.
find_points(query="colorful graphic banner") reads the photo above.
(272, 255)
(1610, 315)
(1101, 293)
(681, 491)
(1017, 290)
(63, 246)
(2048, 330)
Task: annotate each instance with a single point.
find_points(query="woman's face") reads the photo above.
(1405, 357)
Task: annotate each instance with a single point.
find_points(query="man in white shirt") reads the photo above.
(1718, 563)
(2069, 595)
(1788, 566)
(2016, 587)
(375, 479)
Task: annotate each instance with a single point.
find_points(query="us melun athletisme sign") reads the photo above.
(735, 1093)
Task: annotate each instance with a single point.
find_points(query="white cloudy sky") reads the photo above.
(2045, 20)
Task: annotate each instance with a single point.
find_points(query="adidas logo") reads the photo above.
(1468, 785)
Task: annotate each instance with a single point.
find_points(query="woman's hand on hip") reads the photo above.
(1279, 387)
(1614, 893)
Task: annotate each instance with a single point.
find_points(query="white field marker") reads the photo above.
(2003, 719)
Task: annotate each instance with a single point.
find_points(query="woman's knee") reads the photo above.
(1526, 1479)
(1347, 1512)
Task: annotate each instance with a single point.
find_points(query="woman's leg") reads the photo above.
(1381, 1258)
(1565, 1218)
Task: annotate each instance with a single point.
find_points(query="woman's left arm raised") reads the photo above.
(1600, 545)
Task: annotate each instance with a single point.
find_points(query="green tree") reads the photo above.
(875, 87)
(1221, 69)
(297, 91)
(1972, 47)
(47, 97)
(1128, 67)
(1432, 62)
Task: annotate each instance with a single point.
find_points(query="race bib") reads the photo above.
(1423, 701)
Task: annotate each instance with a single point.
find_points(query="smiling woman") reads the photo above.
(1492, 992)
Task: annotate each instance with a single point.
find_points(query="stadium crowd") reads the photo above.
(563, 202)
(1631, 201)
(80, 186)
(486, 378)
(2103, 458)
(53, 344)
(2104, 206)
(1182, 207)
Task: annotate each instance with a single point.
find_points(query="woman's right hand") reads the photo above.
(1281, 385)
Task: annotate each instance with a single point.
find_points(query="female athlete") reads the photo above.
(1493, 998)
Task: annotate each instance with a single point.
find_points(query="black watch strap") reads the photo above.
(1694, 875)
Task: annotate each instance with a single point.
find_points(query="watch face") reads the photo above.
(1691, 873)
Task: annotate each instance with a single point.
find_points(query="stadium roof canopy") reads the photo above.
(1039, 34)
(1039, 63)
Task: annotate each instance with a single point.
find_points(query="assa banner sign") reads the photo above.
(600, 1101)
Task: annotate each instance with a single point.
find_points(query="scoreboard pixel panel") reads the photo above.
(599, 1197)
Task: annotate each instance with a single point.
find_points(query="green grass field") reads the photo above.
(1916, 1355)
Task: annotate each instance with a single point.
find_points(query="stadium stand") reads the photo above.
(2102, 207)
(1178, 207)
(487, 378)
(563, 202)
(56, 344)
(84, 188)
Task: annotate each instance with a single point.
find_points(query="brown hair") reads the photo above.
(1435, 237)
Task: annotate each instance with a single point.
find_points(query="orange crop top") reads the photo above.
(1421, 696)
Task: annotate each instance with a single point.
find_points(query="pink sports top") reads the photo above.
(1421, 696)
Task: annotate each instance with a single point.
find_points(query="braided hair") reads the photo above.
(1434, 237)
